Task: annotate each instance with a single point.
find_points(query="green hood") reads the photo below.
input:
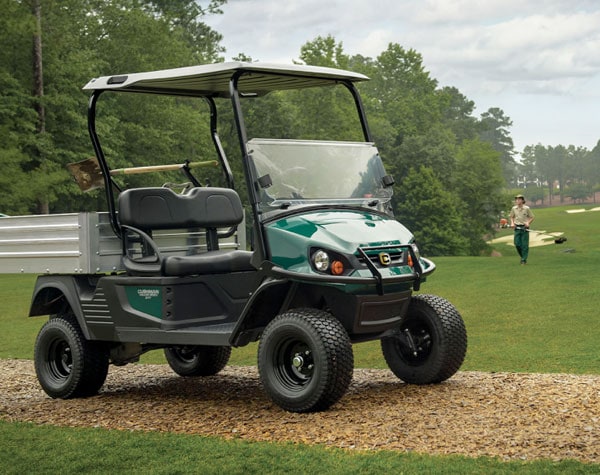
(342, 231)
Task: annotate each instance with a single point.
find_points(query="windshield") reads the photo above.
(299, 172)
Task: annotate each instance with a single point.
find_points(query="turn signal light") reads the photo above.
(410, 261)
(337, 268)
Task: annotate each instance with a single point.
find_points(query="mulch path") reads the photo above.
(506, 415)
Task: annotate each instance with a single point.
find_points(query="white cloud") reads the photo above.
(520, 55)
(533, 48)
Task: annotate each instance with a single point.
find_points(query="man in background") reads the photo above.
(520, 219)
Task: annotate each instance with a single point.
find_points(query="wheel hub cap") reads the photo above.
(298, 361)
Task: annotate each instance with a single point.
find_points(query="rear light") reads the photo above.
(409, 261)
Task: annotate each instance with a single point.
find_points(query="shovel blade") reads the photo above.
(87, 174)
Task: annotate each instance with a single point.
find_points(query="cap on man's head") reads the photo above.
(520, 196)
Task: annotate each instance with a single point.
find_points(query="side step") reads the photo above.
(212, 335)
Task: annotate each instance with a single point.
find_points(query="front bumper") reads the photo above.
(376, 279)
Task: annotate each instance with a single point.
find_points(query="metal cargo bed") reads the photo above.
(83, 243)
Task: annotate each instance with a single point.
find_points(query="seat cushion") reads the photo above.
(212, 262)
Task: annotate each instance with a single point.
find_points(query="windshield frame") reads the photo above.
(301, 174)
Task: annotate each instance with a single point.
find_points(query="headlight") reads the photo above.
(321, 260)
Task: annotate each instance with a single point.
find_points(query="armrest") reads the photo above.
(144, 265)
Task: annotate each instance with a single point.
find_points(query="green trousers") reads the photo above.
(522, 243)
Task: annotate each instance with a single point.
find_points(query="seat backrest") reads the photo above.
(162, 208)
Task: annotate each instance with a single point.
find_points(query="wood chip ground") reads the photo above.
(506, 415)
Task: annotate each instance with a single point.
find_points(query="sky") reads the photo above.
(538, 61)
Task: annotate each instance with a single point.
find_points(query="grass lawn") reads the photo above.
(542, 317)
(27, 448)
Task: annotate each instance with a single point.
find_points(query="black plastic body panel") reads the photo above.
(171, 310)
(221, 310)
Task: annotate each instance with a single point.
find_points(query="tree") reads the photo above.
(579, 192)
(324, 51)
(83, 39)
(494, 128)
(592, 167)
(577, 163)
(558, 157)
(435, 148)
(457, 114)
(184, 19)
(404, 111)
(527, 170)
(22, 107)
(17, 128)
(478, 182)
(431, 213)
(405, 91)
(326, 113)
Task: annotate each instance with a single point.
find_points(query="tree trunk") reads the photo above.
(38, 76)
(38, 85)
(43, 206)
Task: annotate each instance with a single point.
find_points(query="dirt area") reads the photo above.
(511, 416)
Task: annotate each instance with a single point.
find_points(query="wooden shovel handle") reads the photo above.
(162, 168)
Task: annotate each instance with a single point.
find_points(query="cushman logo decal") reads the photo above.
(385, 259)
(147, 300)
(148, 293)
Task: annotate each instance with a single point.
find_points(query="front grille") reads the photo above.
(397, 257)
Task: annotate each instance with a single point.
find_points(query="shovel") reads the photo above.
(88, 175)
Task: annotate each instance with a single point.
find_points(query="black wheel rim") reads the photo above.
(415, 342)
(60, 359)
(186, 355)
(294, 364)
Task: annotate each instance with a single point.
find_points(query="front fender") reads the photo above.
(266, 302)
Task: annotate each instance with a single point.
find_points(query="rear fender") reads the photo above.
(54, 294)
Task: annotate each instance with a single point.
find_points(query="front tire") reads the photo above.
(305, 360)
(67, 365)
(197, 360)
(430, 344)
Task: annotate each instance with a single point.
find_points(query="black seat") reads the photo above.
(142, 210)
(211, 262)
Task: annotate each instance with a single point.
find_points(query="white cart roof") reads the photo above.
(213, 79)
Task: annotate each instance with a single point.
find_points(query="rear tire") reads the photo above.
(197, 360)
(67, 365)
(305, 360)
(430, 344)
